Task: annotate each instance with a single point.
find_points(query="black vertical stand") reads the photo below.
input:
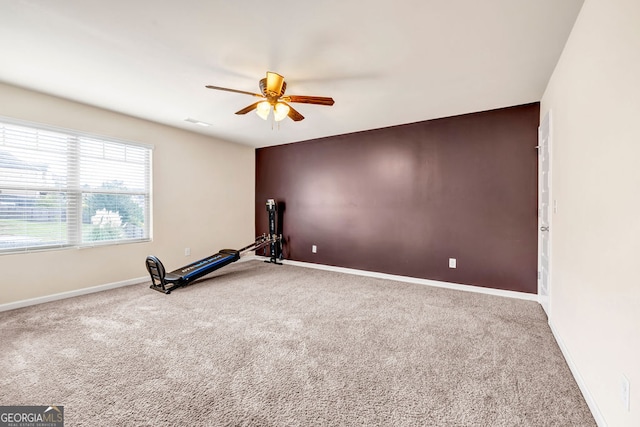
(275, 246)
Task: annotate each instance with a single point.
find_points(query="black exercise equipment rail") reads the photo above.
(275, 245)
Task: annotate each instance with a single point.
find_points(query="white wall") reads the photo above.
(594, 96)
(203, 198)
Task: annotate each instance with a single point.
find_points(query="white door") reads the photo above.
(544, 217)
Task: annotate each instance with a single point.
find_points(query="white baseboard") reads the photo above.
(248, 257)
(427, 282)
(84, 291)
(591, 403)
(455, 286)
(70, 294)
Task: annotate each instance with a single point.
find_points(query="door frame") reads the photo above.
(545, 301)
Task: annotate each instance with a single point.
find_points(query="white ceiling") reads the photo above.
(384, 62)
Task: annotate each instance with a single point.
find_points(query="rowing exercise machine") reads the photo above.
(164, 282)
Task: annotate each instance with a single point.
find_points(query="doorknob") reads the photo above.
(544, 228)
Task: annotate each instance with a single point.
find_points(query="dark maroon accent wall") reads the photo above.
(403, 200)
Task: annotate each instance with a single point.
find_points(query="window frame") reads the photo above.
(74, 214)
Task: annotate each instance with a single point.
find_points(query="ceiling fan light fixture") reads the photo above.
(263, 108)
(272, 95)
(280, 111)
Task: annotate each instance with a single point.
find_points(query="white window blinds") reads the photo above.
(60, 189)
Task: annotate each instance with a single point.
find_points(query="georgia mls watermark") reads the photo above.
(31, 416)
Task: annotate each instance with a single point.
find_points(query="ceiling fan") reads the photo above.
(272, 88)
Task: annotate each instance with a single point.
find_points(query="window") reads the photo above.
(65, 189)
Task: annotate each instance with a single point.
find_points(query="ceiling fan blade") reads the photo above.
(319, 100)
(233, 90)
(249, 108)
(293, 114)
(274, 83)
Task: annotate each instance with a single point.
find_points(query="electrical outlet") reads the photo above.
(452, 263)
(625, 389)
(314, 249)
(187, 251)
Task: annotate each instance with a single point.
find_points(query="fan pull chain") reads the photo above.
(273, 121)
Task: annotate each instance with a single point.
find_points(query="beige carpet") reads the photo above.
(265, 345)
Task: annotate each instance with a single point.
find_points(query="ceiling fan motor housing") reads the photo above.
(271, 94)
